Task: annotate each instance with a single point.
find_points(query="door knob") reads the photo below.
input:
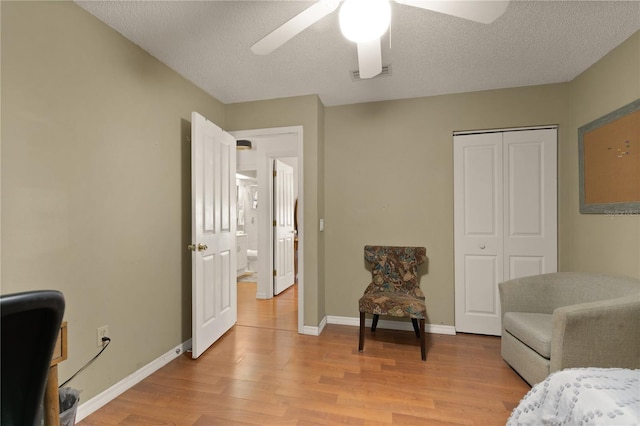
(202, 247)
(482, 246)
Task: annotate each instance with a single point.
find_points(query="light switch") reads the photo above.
(321, 225)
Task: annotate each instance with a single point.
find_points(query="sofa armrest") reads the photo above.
(597, 334)
(525, 295)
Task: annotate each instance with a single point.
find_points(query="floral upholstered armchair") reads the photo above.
(394, 290)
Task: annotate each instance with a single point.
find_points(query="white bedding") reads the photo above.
(582, 396)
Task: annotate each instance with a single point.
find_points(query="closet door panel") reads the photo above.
(530, 203)
(478, 198)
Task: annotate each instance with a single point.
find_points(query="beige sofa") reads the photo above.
(569, 319)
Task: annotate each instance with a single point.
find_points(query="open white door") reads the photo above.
(284, 232)
(213, 231)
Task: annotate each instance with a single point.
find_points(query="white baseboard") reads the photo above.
(393, 325)
(103, 398)
(315, 331)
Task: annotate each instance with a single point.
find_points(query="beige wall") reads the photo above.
(96, 184)
(306, 111)
(389, 180)
(595, 242)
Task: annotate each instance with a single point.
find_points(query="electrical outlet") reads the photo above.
(102, 332)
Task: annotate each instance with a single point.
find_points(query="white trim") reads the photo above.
(322, 325)
(510, 129)
(393, 325)
(103, 398)
(311, 330)
(315, 331)
(271, 131)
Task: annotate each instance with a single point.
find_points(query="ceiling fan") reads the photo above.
(365, 21)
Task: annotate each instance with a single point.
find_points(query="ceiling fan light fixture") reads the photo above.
(364, 20)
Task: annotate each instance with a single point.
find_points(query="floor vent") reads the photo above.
(386, 71)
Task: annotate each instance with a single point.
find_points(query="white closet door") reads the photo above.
(530, 195)
(478, 225)
(505, 218)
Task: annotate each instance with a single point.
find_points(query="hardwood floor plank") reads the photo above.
(233, 419)
(436, 420)
(262, 372)
(318, 416)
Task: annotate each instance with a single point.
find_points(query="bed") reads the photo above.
(582, 396)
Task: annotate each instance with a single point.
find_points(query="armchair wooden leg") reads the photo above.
(374, 322)
(361, 342)
(423, 350)
(414, 321)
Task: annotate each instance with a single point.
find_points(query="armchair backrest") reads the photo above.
(547, 292)
(395, 269)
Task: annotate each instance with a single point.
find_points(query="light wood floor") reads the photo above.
(280, 313)
(262, 372)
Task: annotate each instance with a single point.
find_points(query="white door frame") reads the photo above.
(265, 158)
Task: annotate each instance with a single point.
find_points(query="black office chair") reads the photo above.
(30, 326)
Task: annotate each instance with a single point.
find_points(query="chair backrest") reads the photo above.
(395, 268)
(30, 326)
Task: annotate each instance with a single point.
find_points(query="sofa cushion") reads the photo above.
(534, 330)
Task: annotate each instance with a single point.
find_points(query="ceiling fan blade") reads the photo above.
(295, 25)
(369, 58)
(483, 11)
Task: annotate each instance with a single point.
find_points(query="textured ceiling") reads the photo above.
(208, 42)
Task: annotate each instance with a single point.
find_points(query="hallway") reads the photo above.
(279, 313)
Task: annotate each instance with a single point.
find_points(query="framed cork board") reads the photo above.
(609, 162)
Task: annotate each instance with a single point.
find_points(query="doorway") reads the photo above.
(267, 146)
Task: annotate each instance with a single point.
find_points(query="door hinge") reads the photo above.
(275, 173)
(274, 223)
(275, 273)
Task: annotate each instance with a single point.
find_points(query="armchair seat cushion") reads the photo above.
(532, 329)
(393, 304)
